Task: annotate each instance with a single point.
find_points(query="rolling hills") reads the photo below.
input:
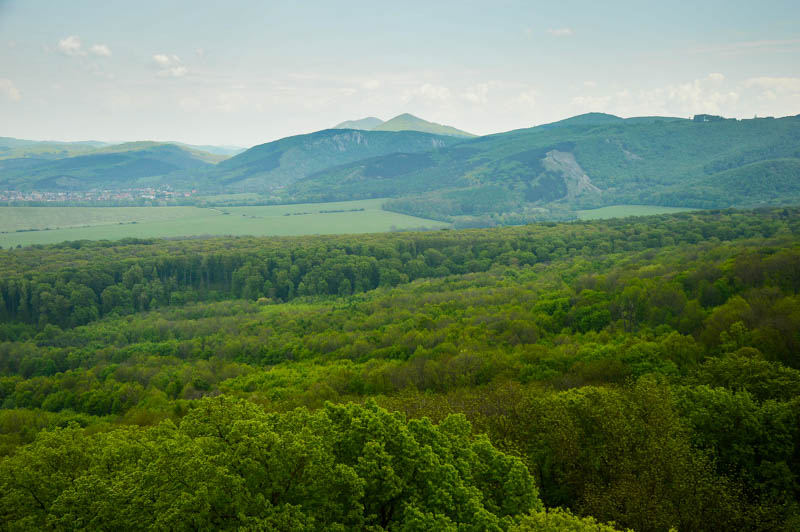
(11, 148)
(113, 167)
(262, 168)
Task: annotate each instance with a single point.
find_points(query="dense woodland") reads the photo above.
(548, 377)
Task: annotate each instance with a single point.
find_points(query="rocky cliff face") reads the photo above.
(577, 181)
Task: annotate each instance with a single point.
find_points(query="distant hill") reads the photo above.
(51, 149)
(588, 119)
(365, 124)
(586, 161)
(147, 144)
(11, 148)
(408, 122)
(404, 122)
(276, 164)
(225, 151)
(122, 166)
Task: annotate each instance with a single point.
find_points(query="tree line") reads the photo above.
(78, 282)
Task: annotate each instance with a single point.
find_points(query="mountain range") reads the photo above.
(586, 161)
(547, 171)
(77, 166)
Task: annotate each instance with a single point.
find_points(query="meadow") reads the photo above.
(623, 211)
(46, 225)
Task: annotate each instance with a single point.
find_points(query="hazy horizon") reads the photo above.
(222, 145)
(256, 72)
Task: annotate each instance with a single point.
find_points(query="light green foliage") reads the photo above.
(559, 520)
(643, 370)
(745, 370)
(230, 465)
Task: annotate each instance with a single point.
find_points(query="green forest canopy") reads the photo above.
(642, 371)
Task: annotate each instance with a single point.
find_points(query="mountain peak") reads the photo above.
(409, 122)
(402, 122)
(365, 124)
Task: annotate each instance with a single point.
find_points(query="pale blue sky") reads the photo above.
(254, 71)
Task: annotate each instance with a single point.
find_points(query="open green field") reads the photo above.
(113, 223)
(222, 198)
(622, 211)
(24, 218)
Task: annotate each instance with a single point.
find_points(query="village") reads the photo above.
(163, 194)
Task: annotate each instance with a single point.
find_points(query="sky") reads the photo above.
(241, 73)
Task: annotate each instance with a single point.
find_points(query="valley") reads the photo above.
(422, 170)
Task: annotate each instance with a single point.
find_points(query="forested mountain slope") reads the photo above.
(282, 162)
(586, 161)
